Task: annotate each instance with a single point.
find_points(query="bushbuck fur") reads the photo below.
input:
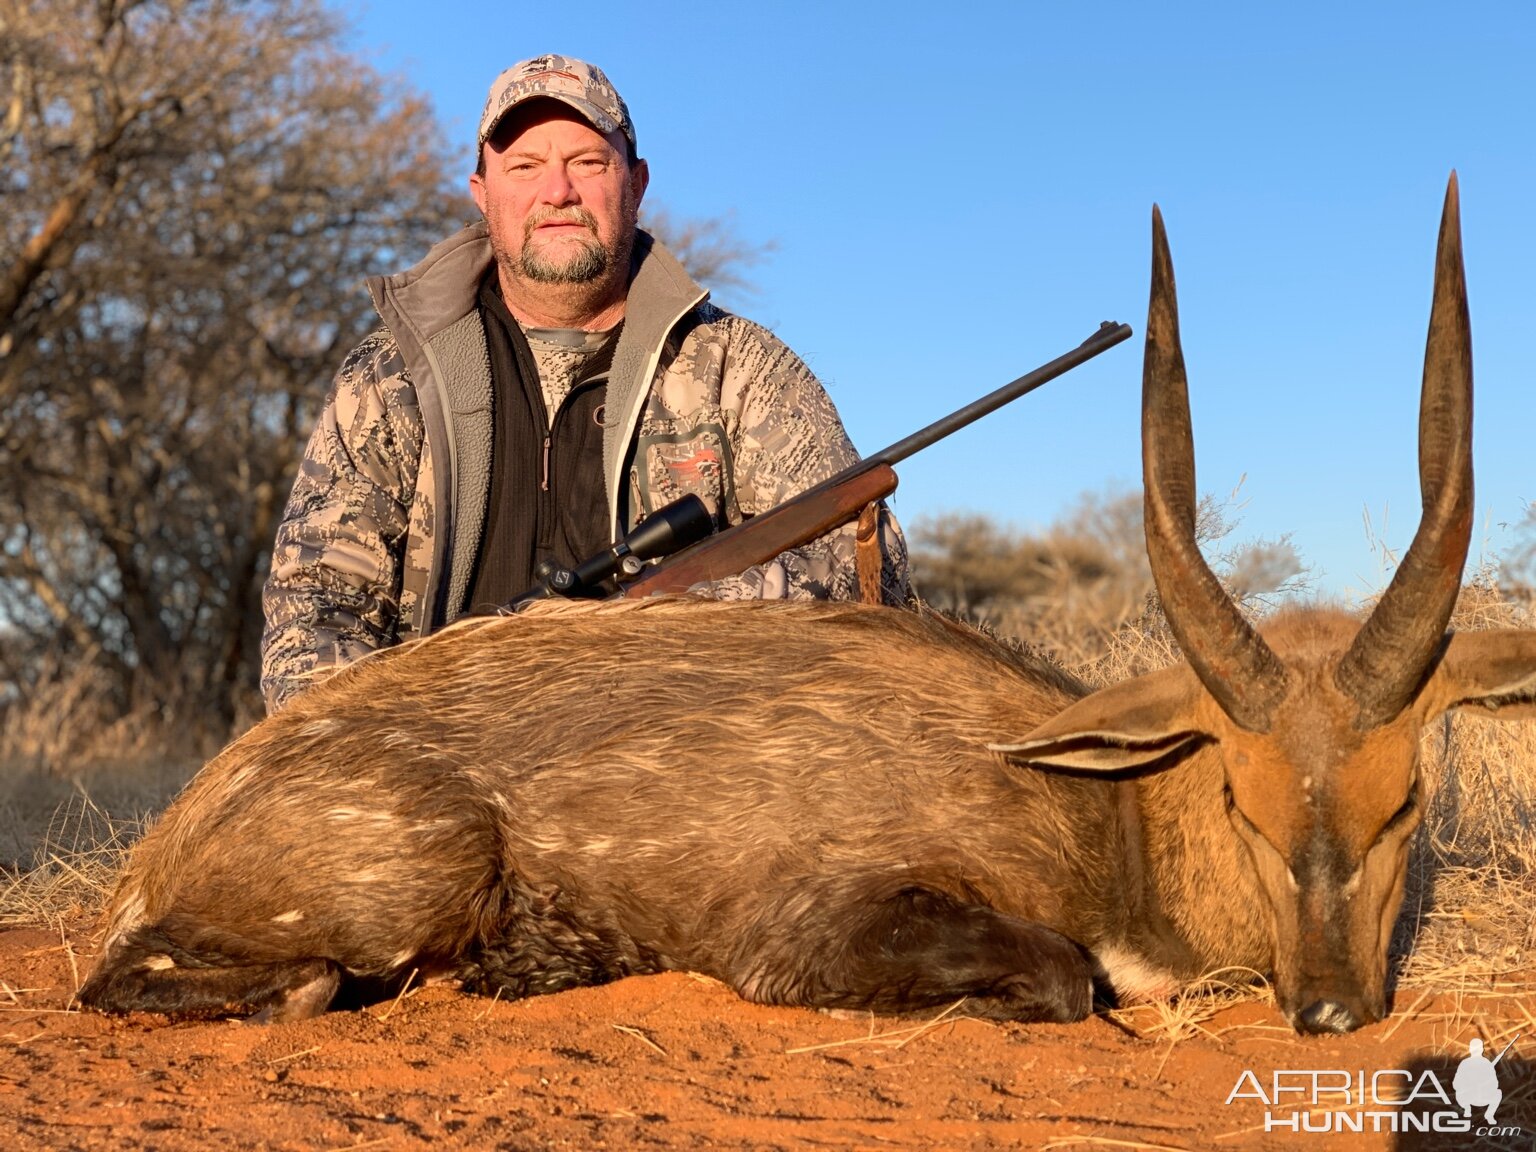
(836, 805)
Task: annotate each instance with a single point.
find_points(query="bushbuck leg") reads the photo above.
(281, 990)
(851, 943)
(915, 948)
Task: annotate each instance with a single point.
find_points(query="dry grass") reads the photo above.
(1186, 1015)
(73, 869)
(66, 721)
(1472, 876)
(1110, 1142)
(77, 785)
(40, 807)
(893, 1038)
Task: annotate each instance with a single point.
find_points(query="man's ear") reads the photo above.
(639, 179)
(477, 190)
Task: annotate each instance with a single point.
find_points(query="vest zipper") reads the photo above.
(547, 516)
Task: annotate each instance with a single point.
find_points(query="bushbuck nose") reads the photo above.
(1327, 1016)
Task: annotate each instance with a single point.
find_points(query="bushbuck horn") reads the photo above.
(1232, 660)
(1386, 664)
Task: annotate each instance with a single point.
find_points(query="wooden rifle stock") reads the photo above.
(760, 539)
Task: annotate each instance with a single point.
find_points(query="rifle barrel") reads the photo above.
(1108, 335)
(813, 512)
(1506, 1048)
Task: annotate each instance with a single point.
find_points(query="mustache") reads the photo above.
(572, 215)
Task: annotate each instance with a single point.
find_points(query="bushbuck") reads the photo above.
(837, 805)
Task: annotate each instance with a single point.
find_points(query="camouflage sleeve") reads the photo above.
(333, 593)
(787, 437)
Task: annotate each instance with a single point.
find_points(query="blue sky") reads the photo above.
(961, 192)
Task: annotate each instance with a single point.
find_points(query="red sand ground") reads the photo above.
(673, 1062)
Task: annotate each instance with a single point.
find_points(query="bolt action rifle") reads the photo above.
(681, 530)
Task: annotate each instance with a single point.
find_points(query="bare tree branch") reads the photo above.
(194, 190)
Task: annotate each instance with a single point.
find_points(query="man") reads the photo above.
(544, 380)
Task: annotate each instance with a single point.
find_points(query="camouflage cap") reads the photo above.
(575, 82)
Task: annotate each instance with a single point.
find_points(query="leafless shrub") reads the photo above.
(1515, 571)
(1082, 588)
(710, 247)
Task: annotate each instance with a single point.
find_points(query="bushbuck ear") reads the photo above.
(1128, 726)
(1492, 672)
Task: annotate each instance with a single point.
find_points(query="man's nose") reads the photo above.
(556, 187)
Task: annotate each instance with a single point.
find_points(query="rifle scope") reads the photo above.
(670, 528)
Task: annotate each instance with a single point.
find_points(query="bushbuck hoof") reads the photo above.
(1057, 993)
(304, 1001)
(1325, 1016)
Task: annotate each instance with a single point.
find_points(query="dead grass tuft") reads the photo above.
(1186, 1014)
(73, 869)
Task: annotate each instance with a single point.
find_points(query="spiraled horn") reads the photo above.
(1385, 666)
(1232, 660)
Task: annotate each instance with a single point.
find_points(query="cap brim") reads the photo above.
(589, 112)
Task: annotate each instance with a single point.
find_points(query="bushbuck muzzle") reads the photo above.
(844, 806)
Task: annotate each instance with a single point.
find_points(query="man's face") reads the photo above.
(559, 197)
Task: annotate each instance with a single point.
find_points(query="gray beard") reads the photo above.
(588, 263)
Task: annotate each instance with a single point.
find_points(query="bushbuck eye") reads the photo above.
(1239, 818)
(1407, 813)
(1266, 855)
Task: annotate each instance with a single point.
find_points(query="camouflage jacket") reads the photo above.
(380, 535)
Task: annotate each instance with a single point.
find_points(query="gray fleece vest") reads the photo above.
(431, 312)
